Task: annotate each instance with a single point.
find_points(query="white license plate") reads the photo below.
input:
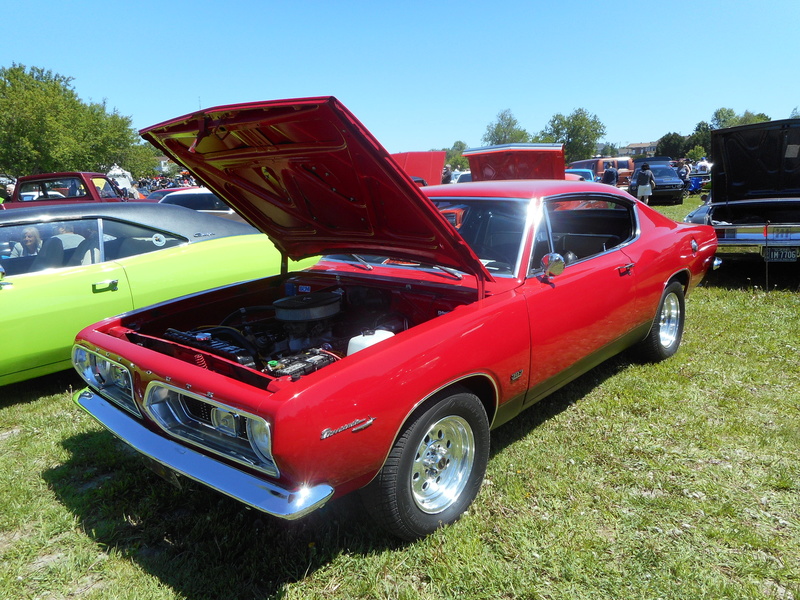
(774, 254)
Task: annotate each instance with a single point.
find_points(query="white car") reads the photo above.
(203, 200)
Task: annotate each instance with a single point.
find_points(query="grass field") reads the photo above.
(674, 481)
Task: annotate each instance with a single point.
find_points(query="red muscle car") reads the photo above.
(437, 314)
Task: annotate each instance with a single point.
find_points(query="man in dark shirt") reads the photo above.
(610, 175)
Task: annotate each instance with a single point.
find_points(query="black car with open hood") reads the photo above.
(754, 204)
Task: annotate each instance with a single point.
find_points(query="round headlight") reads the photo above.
(260, 439)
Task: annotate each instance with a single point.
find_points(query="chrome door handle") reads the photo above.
(109, 285)
(626, 269)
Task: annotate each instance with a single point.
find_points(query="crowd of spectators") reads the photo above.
(151, 184)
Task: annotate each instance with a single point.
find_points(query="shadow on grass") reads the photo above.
(47, 385)
(198, 542)
(205, 545)
(748, 273)
(557, 402)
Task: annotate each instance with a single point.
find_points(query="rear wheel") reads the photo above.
(434, 470)
(665, 335)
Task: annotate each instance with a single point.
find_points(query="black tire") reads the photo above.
(664, 337)
(434, 470)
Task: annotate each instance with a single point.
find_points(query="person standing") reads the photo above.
(645, 183)
(610, 175)
(9, 192)
(447, 174)
(683, 173)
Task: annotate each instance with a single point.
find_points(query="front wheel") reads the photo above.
(665, 335)
(434, 470)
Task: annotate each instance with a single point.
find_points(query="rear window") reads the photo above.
(201, 201)
(50, 189)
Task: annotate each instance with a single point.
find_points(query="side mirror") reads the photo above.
(553, 264)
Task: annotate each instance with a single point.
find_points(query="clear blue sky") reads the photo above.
(422, 75)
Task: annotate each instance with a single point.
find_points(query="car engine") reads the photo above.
(297, 335)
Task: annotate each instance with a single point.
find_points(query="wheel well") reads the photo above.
(485, 390)
(682, 278)
(480, 385)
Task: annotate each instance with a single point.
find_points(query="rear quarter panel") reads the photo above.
(666, 252)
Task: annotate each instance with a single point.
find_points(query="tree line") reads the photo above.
(45, 128)
(580, 132)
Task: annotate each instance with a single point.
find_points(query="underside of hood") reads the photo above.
(516, 161)
(308, 174)
(758, 161)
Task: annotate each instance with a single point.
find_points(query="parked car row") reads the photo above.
(464, 305)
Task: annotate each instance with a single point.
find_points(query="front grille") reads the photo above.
(197, 409)
(201, 412)
(209, 424)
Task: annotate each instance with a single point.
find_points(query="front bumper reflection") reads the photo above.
(261, 495)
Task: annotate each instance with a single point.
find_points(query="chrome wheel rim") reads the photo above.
(442, 464)
(669, 325)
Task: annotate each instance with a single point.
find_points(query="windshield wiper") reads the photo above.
(449, 271)
(364, 263)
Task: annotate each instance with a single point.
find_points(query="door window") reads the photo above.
(37, 246)
(579, 228)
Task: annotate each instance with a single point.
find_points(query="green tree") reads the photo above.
(45, 127)
(724, 117)
(748, 117)
(505, 130)
(671, 144)
(579, 132)
(454, 156)
(609, 150)
(696, 153)
(795, 114)
(727, 117)
(141, 160)
(701, 136)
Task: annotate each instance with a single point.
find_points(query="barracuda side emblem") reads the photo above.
(354, 426)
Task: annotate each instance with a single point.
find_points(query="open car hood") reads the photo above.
(516, 161)
(308, 174)
(758, 161)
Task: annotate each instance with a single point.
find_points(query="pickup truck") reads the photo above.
(62, 188)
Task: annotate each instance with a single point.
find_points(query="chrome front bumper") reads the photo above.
(261, 495)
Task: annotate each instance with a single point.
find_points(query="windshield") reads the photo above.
(663, 172)
(492, 228)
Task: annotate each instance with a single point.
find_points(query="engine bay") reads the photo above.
(294, 335)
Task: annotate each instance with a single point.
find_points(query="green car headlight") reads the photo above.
(108, 377)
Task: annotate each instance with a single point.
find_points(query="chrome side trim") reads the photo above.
(248, 489)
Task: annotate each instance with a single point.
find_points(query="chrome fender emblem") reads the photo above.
(355, 425)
